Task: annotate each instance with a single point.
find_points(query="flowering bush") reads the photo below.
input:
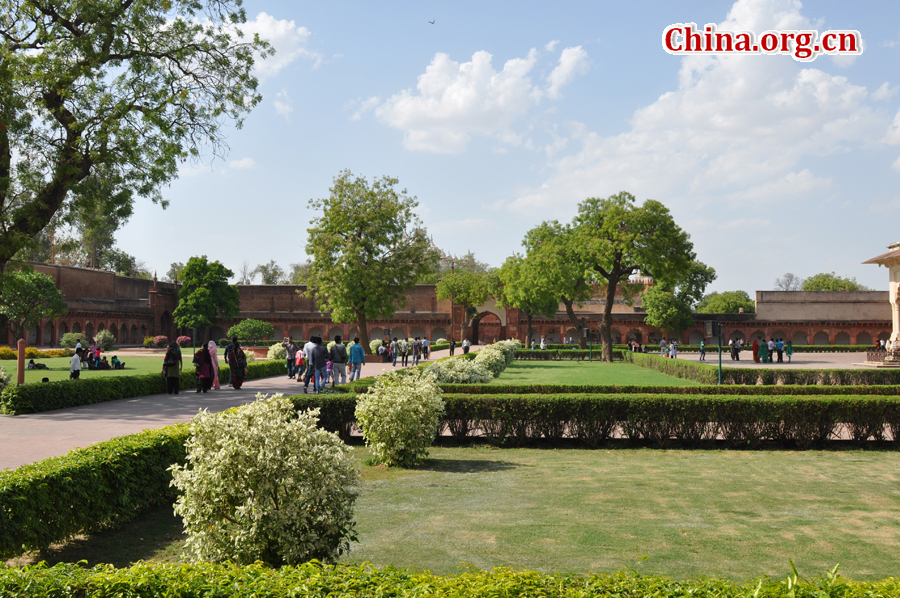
(70, 339)
(276, 351)
(441, 341)
(7, 353)
(460, 371)
(156, 341)
(496, 357)
(374, 344)
(262, 482)
(400, 416)
(105, 339)
(4, 379)
(183, 341)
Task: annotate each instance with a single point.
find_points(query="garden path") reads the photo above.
(28, 438)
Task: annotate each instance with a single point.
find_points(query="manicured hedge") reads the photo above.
(7, 353)
(713, 348)
(709, 374)
(87, 489)
(565, 354)
(659, 419)
(495, 388)
(35, 398)
(152, 580)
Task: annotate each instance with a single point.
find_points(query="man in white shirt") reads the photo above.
(307, 357)
(75, 364)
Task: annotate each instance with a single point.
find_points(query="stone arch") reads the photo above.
(101, 327)
(377, 333)
(165, 323)
(417, 331)
(114, 330)
(634, 336)
(296, 332)
(841, 338)
(757, 335)
(89, 331)
(552, 335)
(33, 335)
(821, 338)
(354, 332)
(143, 332)
(437, 333)
(779, 334)
(76, 328)
(336, 331)
(884, 335)
(695, 337)
(134, 335)
(737, 335)
(653, 337)
(490, 306)
(48, 333)
(61, 329)
(123, 334)
(614, 333)
(864, 338)
(316, 331)
(799, 338)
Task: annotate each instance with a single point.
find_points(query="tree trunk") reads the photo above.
(575, 322)
(606, 322)
(528, 319)
(363, 332)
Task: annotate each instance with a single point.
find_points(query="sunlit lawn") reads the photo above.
(585, 372)
(59, 367)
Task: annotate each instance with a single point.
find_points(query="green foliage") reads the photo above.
(27, 297)
(666, 311)
(251, 330)
(460, 371)
(127, 91)
(276, 351)
(35, 398)
(374, 344)
(452, 263)
(271, 273)
(173, 274)
(70, 339)
(105, 339)
(572, 354)
(205, 296)
(832, 282)
(263, 483)
(400, 416)
(123, 264)
(494, 358)
(519, 288)
(727, 302)
(314, 579)
(367, 247)
(87, 489)
(299, 273)
(4, 379)
(466, 288)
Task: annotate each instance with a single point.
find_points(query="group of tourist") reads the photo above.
(763, 352)
(206, 366)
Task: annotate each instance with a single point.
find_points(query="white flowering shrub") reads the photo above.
(105, 339)
(400, 416)
(374, 344)
(262, 482)
(276, 351)
(4, 378)
(440, 341)
(492, 359)
(460, 371)
(250, 355)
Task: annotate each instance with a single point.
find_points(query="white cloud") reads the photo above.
(551, 45)
(365, 106)
(243, 164)
(735, 129)
(896, 165)
(454, 101)
(886, 208)
(283, 104)
(287, 38)
(572, 62)
(885, 92)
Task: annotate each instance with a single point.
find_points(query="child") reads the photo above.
(300, 366)
(329, 374)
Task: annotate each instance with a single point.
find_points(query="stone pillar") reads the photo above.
(20, 360)
(895, 302)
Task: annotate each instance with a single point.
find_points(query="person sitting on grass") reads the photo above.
(36, 366)
(103, 365)
(116, 364)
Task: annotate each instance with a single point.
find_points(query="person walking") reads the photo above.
(307, 355)
(779, 348)
(339, 361)
(771, 347)
(214, 360)
(417, 350)
(466, 344)
(358, 357)
(171, 371)
(702, 349)
(75, 364)
(763, 352)
(319, 363)
(755, 351)
(453, 345)
(662, 347)
(237, 363)
(203, 369)
(404, 352)
(673, 350)
(228, 350)
(789, 350)
(543, 344)
(426, 348)
(290, 348)
(300, 366)
(395, 352)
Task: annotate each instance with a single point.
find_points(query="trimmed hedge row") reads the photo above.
(7, 353)
(550, 389)
(741, 421)
(709, 374)
(146, 580)
(565, 354)
(87, 489)
(710, 348)
(35, 398)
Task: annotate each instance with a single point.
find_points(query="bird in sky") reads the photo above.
(432, 22)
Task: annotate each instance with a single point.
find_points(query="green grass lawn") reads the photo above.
(731, 514)
(59, 367)
(585, 372)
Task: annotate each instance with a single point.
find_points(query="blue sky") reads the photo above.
(505, 114)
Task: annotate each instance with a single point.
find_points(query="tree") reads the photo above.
(728, 302)
(467, 289)
(27, 297)
(554, 266)
(299, 273)
(789, 282)
(666, 310)
(246, 273)
(367, 247)
(832, 282)
(174, 272)
(452, 263)
(205, 296)
(251, 330)
(105, 99)
(614, 239)
(517, 289)
(270, 273)
(123, 263)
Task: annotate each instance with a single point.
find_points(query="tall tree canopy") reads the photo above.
(205, 297)
(727, 302)
(519, 288)
(367, 247)
(27, 297)
(832, 282)
(468, 288)
(104, 99)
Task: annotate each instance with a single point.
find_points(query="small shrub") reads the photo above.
(251, 330)
(400, 416)
(262, 483)
(276, 351)
(156, 341)
(70, 339)
(4, 379)
(492, 359)
(105, 339)
(183, 341)
(374, 344)
(7, 353)
(460, 371)
(441, 341)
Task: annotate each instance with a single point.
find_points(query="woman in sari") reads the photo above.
(203, 363)
(764, 352)
(237, 362)
(756, 351)
(213, 357)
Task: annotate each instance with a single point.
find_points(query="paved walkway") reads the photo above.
(800, 361)
(28, 438)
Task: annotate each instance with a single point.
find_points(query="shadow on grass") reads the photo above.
(465, 465)
(156, 535)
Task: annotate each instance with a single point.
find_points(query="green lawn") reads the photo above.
(59, 367)
(585, 372)
(732, 514)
